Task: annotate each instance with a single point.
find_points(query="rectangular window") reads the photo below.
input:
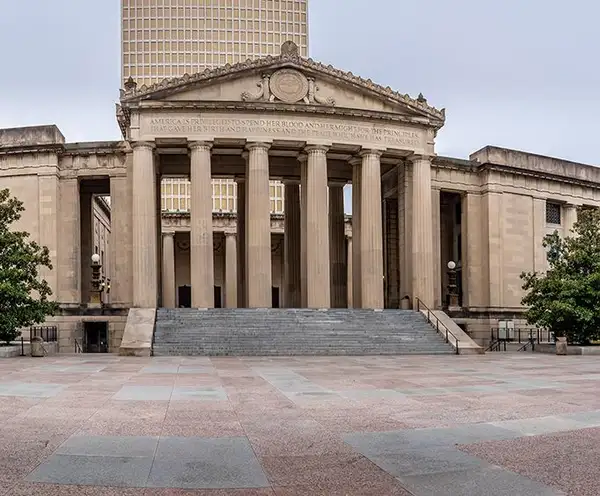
(553, 213)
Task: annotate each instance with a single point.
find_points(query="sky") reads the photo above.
(522, 74)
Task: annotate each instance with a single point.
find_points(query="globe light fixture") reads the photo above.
(95, 258)
(451, 265)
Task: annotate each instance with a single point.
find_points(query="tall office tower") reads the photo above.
(168, 38)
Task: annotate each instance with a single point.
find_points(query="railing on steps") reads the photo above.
(438, 324)
(496, 346)
(78, 348)
(526, 345)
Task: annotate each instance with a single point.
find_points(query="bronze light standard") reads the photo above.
(452, 287)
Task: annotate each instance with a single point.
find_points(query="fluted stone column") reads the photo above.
(201, 229)
(317, 229)
(303, 160)
(371, 231)
(168, 269)
(350, 289)
(422, 231)
(292, 297)
(337, 246)
(231, 276)
(356, 164)
(145, 269)
(241, 242)
(258, 227)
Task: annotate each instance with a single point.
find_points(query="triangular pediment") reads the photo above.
(287, 79)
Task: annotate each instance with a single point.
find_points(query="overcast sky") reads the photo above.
(522, 74)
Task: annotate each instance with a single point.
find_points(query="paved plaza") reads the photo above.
(516, 424)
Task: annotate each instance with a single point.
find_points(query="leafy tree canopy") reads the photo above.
(23, 293)
(566, 299)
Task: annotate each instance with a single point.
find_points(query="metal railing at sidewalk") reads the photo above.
(522, 335)
(440, 327)
(48, 333)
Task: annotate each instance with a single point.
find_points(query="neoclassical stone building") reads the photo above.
(316, 129)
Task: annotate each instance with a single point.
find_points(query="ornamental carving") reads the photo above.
(288, 86)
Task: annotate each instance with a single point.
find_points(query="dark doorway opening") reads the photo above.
(185, 296)
(218, 302)
(275, 297)
(95, 337)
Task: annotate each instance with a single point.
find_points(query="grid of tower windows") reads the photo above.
(168, 38)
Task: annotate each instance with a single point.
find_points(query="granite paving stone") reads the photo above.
(106, 425)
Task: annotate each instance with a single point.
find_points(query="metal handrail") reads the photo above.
(437, 323)
(78, 348)
(496, 345)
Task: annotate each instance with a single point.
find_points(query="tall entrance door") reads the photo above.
(185, 296)
(95, 337)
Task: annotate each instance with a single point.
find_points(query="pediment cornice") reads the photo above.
(288, 59)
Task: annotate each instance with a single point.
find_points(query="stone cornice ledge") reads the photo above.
(229, 106)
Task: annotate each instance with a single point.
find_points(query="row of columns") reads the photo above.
(314, 253)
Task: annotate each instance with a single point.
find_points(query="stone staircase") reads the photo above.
(272, 332)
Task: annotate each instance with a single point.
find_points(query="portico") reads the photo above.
(310, 126)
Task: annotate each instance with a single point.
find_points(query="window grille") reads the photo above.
(553, 213)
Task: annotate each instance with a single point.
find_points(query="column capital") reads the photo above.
(302, 157)
(229, 234)
(200, 145)
(260, 145)
(370, 151)
(166, 234)
(316, 148)
(355, 161)
(143, 144)
(415, 157)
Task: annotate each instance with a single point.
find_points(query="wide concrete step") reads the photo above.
(273, 332)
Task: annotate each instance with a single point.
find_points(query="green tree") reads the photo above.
(23, 293)
(566, 299)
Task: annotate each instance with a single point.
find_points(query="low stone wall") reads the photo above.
(15, 349)
(571, 349)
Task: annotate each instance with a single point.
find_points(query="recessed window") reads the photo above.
(553, 213)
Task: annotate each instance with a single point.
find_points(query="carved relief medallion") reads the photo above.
(289, 85)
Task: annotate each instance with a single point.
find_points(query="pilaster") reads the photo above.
(121, 240)
(371, 235)
(337, 246)
(303, 161)
(168, 270)
(350, 277)
(201, 226)
(437, 248)
(258, 227)
(356, 164)
(231, 275)
(69, 243)
(292, 294)
(241, 241)
(145, 269)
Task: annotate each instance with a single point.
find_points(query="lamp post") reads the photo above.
(97, 285)
(452, 287)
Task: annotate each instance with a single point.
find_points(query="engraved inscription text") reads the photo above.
(279, 128)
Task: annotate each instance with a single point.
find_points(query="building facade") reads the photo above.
(169, 38)
(313, 129)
